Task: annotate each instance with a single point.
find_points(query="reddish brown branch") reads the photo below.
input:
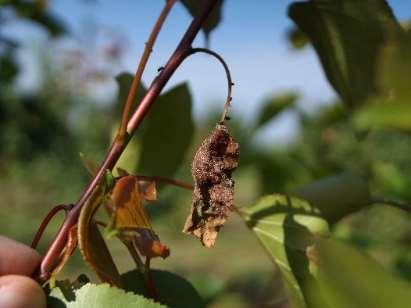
(119, 145)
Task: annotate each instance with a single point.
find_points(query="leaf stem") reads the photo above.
(230, 83)
(119, 144)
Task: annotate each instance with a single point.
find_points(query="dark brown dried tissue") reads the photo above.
(213, 195)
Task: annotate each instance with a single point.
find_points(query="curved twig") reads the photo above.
(46, 221)
(230, 83)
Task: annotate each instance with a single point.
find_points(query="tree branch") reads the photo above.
(118, 146)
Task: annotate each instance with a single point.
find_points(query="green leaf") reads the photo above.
(348, 278)
(384, 115)
(166, 133)
(100, 296)
(173, 290)
(274, 105)
(194, 7)
(287, 227)
(348, 36)
(337, 196)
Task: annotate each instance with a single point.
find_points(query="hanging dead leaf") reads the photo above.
(213, 195)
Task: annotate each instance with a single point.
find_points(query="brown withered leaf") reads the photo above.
(130, 218)
(213, 195)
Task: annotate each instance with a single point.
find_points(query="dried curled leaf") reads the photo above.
(130, 218)
(213, 195)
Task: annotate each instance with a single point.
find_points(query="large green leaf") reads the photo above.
(160, 145)
(287, 227)
(348, 36)
(194, 7)
(173, 290)
(348, 278)
(166, 133)
(100, 296)
(337, 196)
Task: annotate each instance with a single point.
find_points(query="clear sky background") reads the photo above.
(251, 37)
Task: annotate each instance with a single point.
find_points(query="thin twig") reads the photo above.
(230, 83)
(118, 146)
(122, 131)
(163, 179)
(166, 180)
(46, 221)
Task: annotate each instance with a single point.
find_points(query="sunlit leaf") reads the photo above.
(348, 36)
(384, 115)
(100, 296)
(287, 227)
(348, 278)
(337, 196)
(173, 290)
(91, 243)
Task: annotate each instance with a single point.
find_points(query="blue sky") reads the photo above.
(251, 38)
